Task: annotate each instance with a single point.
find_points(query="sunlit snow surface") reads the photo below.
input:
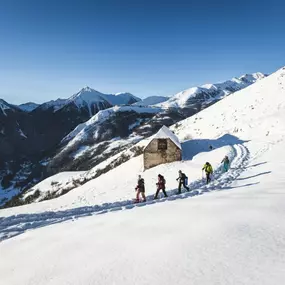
(229, 232)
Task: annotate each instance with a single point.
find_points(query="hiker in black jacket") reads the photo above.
(140, 189)
(182, 181)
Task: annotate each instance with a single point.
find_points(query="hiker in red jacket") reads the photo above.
(160, 186)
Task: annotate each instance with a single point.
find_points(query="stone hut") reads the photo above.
(164, 147)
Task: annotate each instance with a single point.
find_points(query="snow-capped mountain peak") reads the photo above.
(4, 106)
(95, 101)
(87, 89)
(252, 78)
(90, 99)
(87, 95)
(86, 98)
(208, 93)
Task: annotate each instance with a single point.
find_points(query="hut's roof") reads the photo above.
(165, 133)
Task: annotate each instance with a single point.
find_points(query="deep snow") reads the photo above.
(234, 236)
(229, 232)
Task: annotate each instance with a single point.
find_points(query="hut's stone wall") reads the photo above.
(154, 156)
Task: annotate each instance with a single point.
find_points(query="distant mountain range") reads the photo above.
(94, 100)
(208, 93)
(87, 98)
(79, 132)
(28, 107)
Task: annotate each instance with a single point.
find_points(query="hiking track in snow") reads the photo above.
(18, 224)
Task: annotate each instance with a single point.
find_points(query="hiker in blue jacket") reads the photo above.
(226, 163)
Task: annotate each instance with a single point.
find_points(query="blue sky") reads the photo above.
(53, 48)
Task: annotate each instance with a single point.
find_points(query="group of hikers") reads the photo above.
(182, 181)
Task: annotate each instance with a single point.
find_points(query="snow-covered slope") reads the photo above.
(228, 232)
(210, 92)
(248, 113)
(86, 128)
(52, 185)
(151, 100)
(28, 107)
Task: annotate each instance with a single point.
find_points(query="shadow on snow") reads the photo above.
(253, 176)
(257, 164)
(193, 147)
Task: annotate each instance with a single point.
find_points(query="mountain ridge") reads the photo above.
(86, 93)
(211, 92)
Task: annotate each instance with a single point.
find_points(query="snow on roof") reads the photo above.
(165, 133)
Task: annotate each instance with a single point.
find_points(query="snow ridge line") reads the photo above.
(18, 224)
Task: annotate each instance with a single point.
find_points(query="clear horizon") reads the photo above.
(52, 49)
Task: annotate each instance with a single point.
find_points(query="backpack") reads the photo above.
(183, 177)
(163, 179)
(209, 169)
(141, 182)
